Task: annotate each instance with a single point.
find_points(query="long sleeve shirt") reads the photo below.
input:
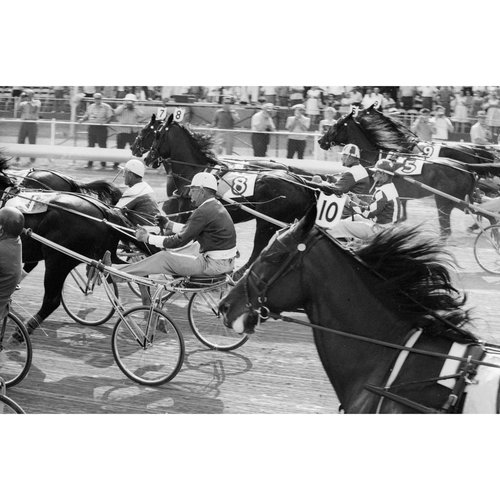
(298, 124)
(10, 270)
(210, 224)
(98, 114)
(262, 122)
(355, 180)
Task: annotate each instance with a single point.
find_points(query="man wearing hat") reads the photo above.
(98, 114)
(480, 132)
(382, 212)
(213, 250)
(297, 125)
(225, 119)
(261, 125)
(442, 125)
(355, 180)
(139, 195)
(422, 127)
(127, 114)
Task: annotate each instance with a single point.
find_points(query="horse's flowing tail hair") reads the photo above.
(417, 275)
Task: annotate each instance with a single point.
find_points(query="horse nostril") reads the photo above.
(223, 307)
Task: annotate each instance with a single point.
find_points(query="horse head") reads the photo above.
(338, 133)
(159, 149)
(146, 136)
(273, 282)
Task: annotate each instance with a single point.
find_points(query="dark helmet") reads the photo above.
(12, 221)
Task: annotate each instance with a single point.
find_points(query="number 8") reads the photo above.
(178, 114)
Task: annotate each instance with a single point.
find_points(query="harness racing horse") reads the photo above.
(74, 221)
(448, 176)
(276, 193)
(367, 309)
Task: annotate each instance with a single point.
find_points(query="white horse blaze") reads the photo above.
(239, 323)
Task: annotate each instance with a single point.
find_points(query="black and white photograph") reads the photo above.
(202, 252)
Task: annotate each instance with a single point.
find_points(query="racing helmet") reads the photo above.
(351, 150)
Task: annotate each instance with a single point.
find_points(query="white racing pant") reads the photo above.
(185, 261)
(359, 228)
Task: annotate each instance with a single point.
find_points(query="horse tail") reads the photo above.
(105, 191)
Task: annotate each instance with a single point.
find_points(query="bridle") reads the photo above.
(260, 287)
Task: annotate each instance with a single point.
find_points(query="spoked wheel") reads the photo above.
(206, 321)
(131, 258)
(8, 405)
(487, 249)
(84, 297)
(15, 350)
(148, 350)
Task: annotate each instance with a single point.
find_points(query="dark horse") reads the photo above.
(446, 175)
(74, 221)
(278, 193)
(396, 289)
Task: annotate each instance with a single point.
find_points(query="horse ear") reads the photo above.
(307, 222)
(153, 119)
(170, 119)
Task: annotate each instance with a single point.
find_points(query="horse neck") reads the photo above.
(191, 161)
(358, 137)
(347, 302)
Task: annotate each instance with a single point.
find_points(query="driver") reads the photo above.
(381, 213)
(355, 180)
(210, 226)
(139, 195)
(11, 227)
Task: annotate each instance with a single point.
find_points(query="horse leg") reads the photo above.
(444, 207)
(57, 269)
(263, 232)
(27, 268)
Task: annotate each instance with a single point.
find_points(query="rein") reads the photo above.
(264, 312)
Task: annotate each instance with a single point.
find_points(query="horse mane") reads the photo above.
(417, 279)
(202, 142)
(385, 131)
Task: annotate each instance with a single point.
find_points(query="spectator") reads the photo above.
(406, 95)
(127, 114)
(297, 124)
(480, 132)
(444, 99)
(29, 108)
(98, 114)
(270, 94)
(428, 95)
(58, 96)
(89, 90)
(324, 125)
(461, 113)
(477, 102)
(422, 126)
(225, 118)
(373, 96)
(11, 226)
(261, 124)
(313, 104)
(296, 95)
(345, 103)
(282, 93)
(441, 125)
(492, 107)
(417, 101)
(356, 96)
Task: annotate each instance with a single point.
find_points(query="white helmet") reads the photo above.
(204, 179)
(130, 97)
(135, 166)
(351, 150)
